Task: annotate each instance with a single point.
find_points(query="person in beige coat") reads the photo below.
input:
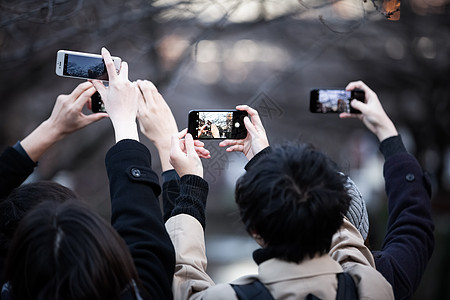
(292, 201)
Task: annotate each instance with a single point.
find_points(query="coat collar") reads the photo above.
(276, 270)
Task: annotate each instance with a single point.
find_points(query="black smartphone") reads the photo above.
(97, 103)
(217, 124)
(334, 100)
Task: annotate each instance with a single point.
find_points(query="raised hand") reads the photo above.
(183, 156)
(256, 139)
(66, 117)
(372, 112)
(120, 99)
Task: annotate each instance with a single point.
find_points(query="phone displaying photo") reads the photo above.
(83, 65)
(217, 124)
(334, 100)
(97, 103)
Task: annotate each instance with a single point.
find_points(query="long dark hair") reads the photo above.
(65, 251)
(20, 201)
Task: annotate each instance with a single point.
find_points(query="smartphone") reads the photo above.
(217, 124)
(334, 100)
(83, 65)
(97, 103)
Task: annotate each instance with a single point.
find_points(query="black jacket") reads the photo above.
(136, 214)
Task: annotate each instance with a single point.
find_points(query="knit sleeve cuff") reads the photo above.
(192, 198)
(257, 157)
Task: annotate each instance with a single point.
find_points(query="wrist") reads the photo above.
(51, 132)
(386, 132)
(125, 130)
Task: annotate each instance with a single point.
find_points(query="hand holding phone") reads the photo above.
(334, 100)
(256, 139)
(217, 124)
(372, 113)
(83, 65)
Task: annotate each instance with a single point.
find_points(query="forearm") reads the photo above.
(41, 139)
(385, 130)
(163, 148)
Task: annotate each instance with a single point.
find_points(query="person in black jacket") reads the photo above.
(136, 217)
(19, 161)
(409, 241)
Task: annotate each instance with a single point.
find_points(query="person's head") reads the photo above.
(295, 200)
(65, 251)
(21, 200)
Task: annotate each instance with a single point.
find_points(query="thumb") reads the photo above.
(250, 127)
(358, 105)
(95, 117)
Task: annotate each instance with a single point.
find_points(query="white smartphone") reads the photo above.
(83, 65)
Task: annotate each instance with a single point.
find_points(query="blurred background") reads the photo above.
(265, 53)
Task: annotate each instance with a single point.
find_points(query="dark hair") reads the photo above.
(65, 251)
(295, 199)
(20, 201)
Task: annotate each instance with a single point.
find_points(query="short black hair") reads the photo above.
(295, 199)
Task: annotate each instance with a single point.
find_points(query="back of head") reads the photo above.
(21, 200)
(295, 199)
(65, 251)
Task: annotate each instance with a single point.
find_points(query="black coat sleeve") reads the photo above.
(136, 215)
(409, 241)
(14, 169)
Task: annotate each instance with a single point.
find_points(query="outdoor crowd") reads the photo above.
(308, 217)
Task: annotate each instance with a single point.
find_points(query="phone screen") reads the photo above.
(84, 67)
(334, 100)
(217, 124)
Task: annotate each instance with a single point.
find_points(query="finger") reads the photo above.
(95, 117)
(202, 152)
(100, 87)
(189, 144)
(141, 89)
(359, 85)
(345, 115)
(253, 113)
(198, 143)
(175, 146)
(110, 68)
(226, 143)
(182, 133)
(123, 73)
(148, 89)
(85, 96)
(235, 148)
(80, 89)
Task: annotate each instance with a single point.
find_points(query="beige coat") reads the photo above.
(283, 279)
